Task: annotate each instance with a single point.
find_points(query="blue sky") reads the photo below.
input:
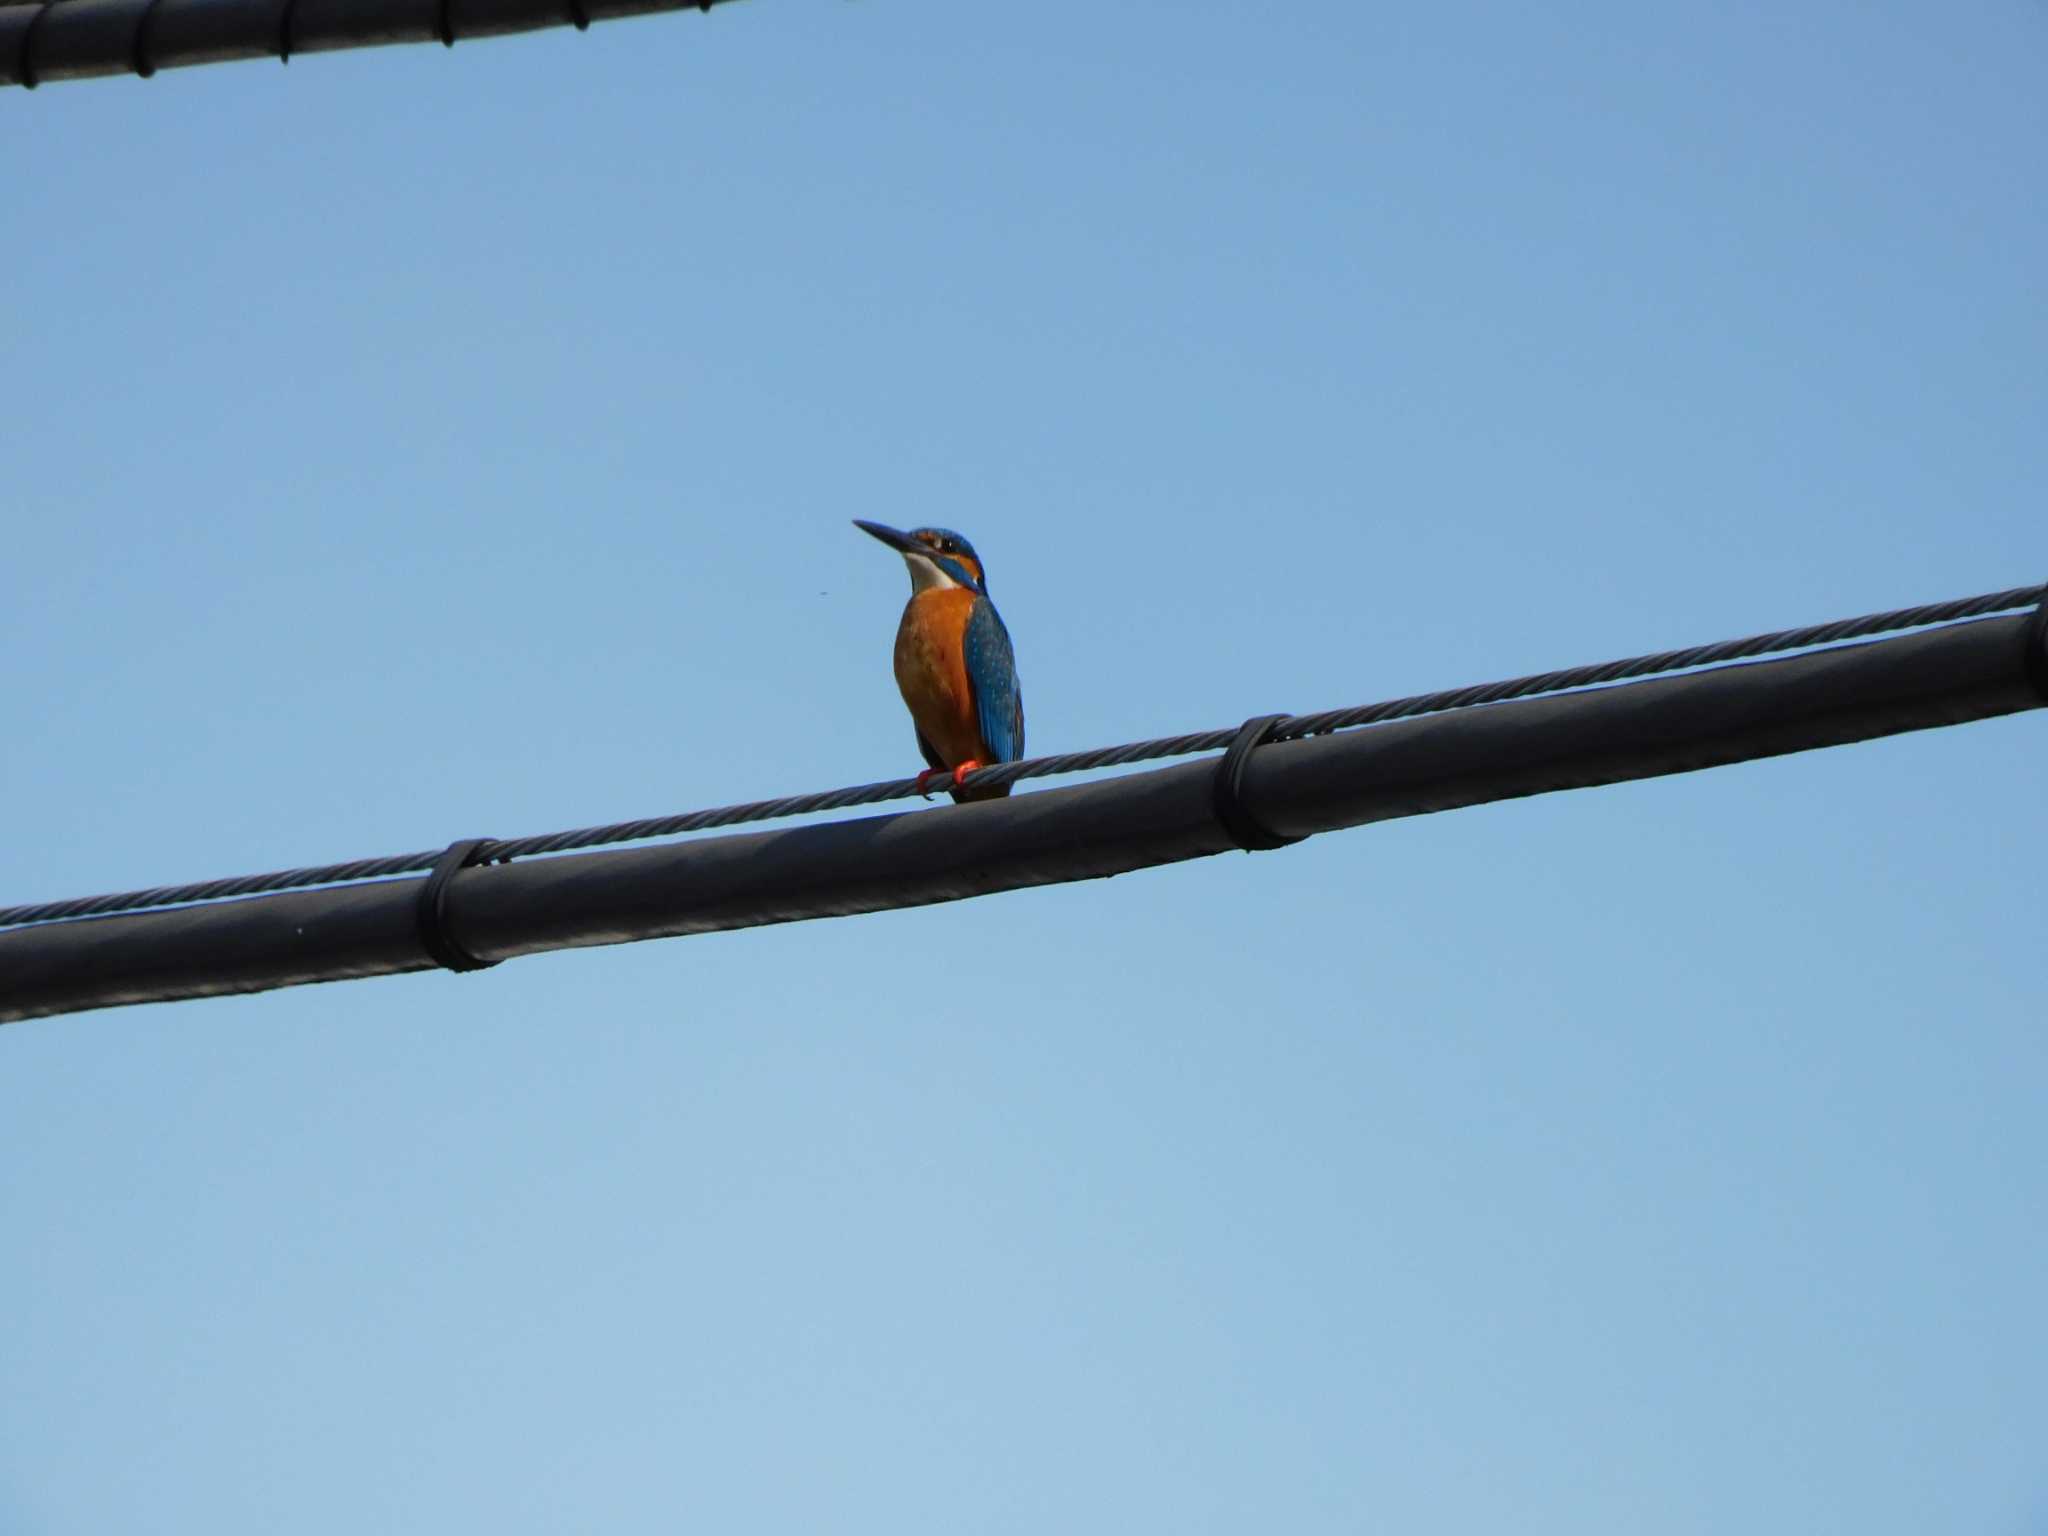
(413, 444)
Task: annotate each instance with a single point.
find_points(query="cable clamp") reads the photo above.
(432, 911)
(25, 59)
(1227, 789)
(284, 31)
(141, 58)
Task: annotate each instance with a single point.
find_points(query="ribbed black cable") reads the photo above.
(1041, 767)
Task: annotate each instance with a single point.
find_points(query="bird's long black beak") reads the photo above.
(902, 543)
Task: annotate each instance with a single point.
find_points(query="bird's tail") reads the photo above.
(979, 792)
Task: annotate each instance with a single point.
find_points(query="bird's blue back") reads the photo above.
(992, 669)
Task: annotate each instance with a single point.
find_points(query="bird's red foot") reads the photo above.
(927, 775)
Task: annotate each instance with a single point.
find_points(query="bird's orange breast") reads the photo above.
(931, 672)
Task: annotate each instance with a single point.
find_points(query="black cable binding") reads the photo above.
(284, 31)
(580, 14)
(441, 945)
(444, 25)
(25, 60)
(144, 65)
(1227, 788)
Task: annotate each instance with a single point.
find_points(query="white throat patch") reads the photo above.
(925, 574)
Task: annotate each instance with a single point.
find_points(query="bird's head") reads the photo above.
(937, 557)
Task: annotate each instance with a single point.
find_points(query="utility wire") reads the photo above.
(44, 40)
(1291, 728)
(462, 917)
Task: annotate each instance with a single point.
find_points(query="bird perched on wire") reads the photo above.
(954, 664)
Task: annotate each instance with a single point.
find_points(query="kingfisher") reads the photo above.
(954, 665)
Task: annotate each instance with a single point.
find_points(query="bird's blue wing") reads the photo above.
(992, 670)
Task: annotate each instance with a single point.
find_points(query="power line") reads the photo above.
(1287, 728)
(80, 39)
(1961, 671)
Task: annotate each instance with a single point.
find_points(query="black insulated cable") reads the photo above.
(1945, 676)
(1287, 729)
(46, 40)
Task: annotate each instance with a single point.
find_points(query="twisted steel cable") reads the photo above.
(1292, 728)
